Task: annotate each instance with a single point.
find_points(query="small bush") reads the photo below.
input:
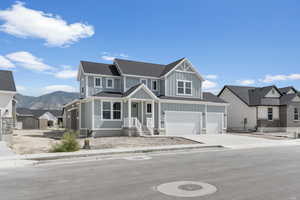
(68, 143)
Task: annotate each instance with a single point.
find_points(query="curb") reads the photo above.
(87, 153)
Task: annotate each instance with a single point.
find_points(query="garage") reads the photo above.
(183, 123)
(214, 123)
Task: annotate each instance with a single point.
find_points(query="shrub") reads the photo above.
(68, 143)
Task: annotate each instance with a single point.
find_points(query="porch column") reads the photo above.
(129, 112)
(152, 106)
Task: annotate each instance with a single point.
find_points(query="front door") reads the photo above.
(134, 109)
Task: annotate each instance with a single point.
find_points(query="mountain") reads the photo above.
(54, 100)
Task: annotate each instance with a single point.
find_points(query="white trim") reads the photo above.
(296, 120)
(124, 82)
(70, 103)
(156, 85)
(107, 129)
(101, 75)
(147, 108)
(97, 86)
(78, 116)
(142, 109)
(143, 79)
(67, 111)
(111, 110)
(268, 114)
(146, 90)
(159, 116)
(184, 82)
(86, 86)
(8, 92)
(93, 113)
(193, 102)
(112, 83)
(184, 71)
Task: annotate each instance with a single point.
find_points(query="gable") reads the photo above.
(48, 116)
(296, 99)
(273, 93)
(185, 67)
(291, 91)
(141, 94)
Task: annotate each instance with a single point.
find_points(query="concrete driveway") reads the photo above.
(240, 142)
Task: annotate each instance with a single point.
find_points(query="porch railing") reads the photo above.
(133, 122)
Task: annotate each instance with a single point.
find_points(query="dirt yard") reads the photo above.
(35, 141)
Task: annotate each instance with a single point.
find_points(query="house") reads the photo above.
(7, 104)
(136, 98)
(262, 108)
(38, 119)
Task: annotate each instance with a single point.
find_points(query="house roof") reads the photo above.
(207, 97)
(7, 82)
(285, 90)
(37, 113)
(99, 68)
(253, 96)
(129, 67)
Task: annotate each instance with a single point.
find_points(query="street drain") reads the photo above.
(138, 158)
(186, 189)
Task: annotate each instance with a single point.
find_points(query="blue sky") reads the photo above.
(230, 42)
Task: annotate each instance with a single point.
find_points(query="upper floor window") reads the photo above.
(270, 114)
(144, 81)
(110, 83)
(184, 87)
(82, 90)
(154, 85)
(296, 114)
(98, 82)
(111, 110)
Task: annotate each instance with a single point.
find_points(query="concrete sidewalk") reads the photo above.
(240, 142)
(5, 150)
(31, 159)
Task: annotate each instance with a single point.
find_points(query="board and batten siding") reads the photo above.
(86, 115)
(93, 90)
(133, 81)
(171, 83)
(99, 123)
(141, 94)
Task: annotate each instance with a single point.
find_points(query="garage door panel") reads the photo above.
(183, 123)
(214, 123)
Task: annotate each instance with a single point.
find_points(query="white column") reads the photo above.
(159, 116)
(152, 106)
(142, 105)
(93, 113)
(129, 112)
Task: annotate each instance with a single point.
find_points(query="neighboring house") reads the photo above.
(262, 108)
(7, 104)
(135, 98)
(38, 119)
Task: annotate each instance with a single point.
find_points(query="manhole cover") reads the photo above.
(138, 158)
(186, 189)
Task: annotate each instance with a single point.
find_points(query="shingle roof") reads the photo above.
(170, 66)
(7, 82)
(254, 96)
(99, 68)
(37, 113)
(109, 94)
(286, 89)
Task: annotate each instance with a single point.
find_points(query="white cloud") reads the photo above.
(25, 22)
(110, 58)
(54, 88)
(280, 77)
(28, 61)
(66, 74)
(246, 82)
(21, 88)
(209, 85)
(5, 63)
(211, 76)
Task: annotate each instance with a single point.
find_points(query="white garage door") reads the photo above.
(214, 123)
(183, 123)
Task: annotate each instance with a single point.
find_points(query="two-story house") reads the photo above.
(135, 98)
(7, 104)
(262, 108)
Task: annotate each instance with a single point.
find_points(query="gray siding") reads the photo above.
(219, 109)
(92, 90)
(130, 82)
(86, 115)
(162, 87)
(141, 94)
(171, 83)
(290, 115)
(99, 123)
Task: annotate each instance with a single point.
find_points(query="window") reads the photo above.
(184, 87)
(109, 83)
(111, 110)
(149, 108)
(270, 114)
(98, 82)
(296, 114)
(154, 85)
(144, 81)
(82, 90)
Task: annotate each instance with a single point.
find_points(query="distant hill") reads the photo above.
(54, 100)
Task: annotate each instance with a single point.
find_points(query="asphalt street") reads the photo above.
(255, 174)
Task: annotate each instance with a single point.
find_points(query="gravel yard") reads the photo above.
(34, 141)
